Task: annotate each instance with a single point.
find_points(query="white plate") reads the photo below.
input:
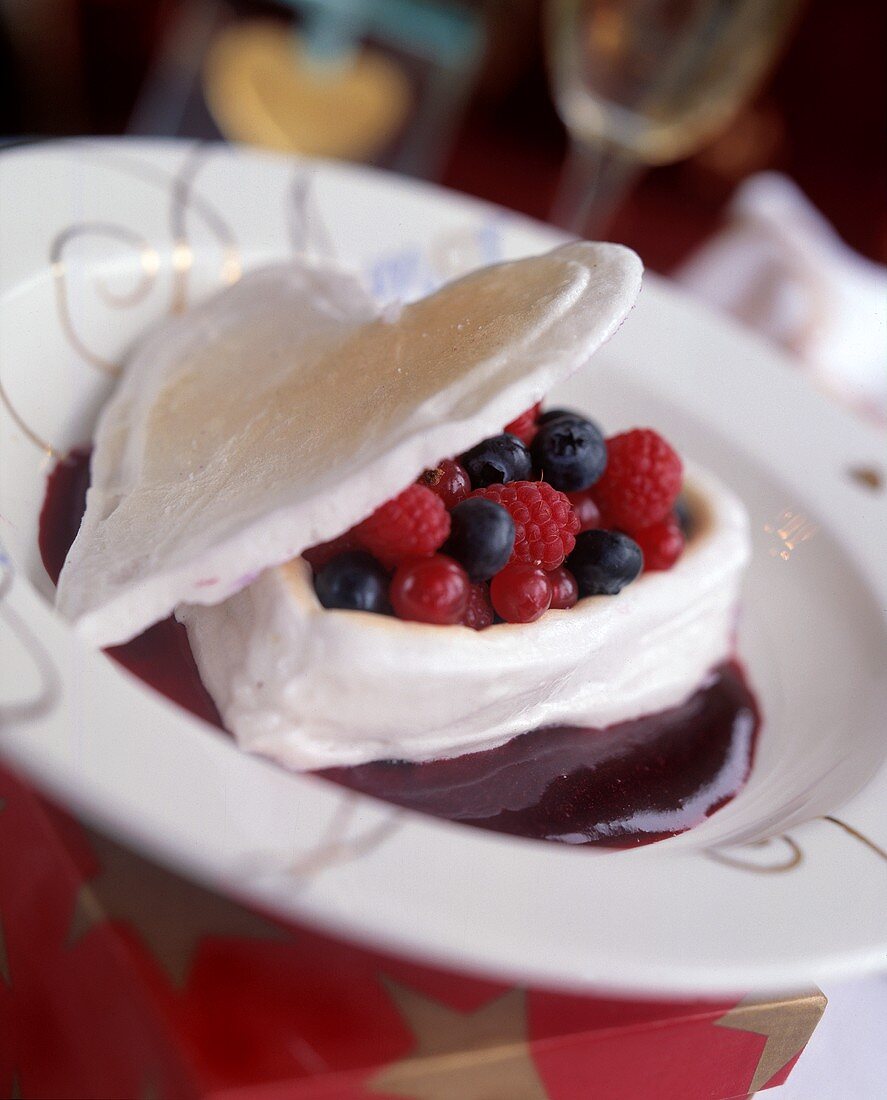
(786, 885)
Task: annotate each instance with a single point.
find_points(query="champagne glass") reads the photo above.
(646, 82)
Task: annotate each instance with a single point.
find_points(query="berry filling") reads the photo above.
(521, 593)
(482, 535)
(526, 425)
(479, 612)
(545, 524)
(353, 581)
(570, 453)
(410, 525)
(641, 481)
(498, 460)
(430, 590)
(537, 518)
(449, 481)
(604, 562)
(587, 512)
(661, 544)
(564, 589)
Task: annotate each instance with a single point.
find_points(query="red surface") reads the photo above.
(92, 1009)
(74, 1021)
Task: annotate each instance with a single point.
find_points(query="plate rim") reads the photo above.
(315, 907)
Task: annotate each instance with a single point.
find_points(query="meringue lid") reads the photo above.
(286, 408)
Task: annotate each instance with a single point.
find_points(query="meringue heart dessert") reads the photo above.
(394, 567)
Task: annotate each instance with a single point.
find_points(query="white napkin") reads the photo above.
(780, 267)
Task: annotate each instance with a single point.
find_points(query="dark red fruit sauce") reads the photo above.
(632, 784)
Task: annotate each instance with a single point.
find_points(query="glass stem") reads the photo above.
(594, 181)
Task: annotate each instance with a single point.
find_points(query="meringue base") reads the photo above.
(314, 688)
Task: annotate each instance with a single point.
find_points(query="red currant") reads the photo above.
(564, 589)
(479, 612)
(430, 590)
(449, 481)
(521, 593)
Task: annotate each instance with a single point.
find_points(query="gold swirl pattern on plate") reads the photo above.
(47, 695)
(149, 261)
(787, 859)
(792, 853)
(182, 199)
(27, 431)
(335, 846)
(857, 835)
(338, 844)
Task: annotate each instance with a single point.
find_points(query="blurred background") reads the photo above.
(753, 130)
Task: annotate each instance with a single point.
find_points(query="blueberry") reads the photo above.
(481, 537)
(569, 453)
(555, 414)
(496, 460)
(604, 562)
(354, 581)
(684, 516)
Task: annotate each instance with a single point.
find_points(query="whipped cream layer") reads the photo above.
(313, 688)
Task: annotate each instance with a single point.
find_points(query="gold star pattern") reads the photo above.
(170, 914)
(4, 959)
(787, 1029)
(480, 1055)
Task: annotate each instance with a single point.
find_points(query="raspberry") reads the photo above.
(662, 544)
(545, 524)
(430, 590)
(641, 482)
(524, 426)
(521, 593)
(410, 525)
(564, 589)
(449, 481)
(479, 612)
(585, 508)
(320, 555)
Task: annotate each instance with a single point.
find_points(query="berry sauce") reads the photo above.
(631, 784)
(161, 656)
